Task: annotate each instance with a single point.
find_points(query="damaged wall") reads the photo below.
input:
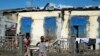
(93, 26)
(38, 21)
(63, 29)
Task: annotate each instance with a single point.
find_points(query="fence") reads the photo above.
(84, 50)
(56, 48)
(11, 46)
(68, 47)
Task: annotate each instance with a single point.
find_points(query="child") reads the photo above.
(42, 46)
(26, 44)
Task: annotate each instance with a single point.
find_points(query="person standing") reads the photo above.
(27, 44)
(42, 46)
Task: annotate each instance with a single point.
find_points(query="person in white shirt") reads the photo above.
(42, 46)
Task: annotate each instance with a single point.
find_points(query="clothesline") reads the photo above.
(86, 40)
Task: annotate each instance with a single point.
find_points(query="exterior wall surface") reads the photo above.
(93, 23)
(38, 21)
(37, 25)
(92, 27)
(2, 26)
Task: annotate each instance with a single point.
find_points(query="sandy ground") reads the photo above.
(89, 53)
(8, 53)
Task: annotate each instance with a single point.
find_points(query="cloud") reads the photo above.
(41, 7)
(59, 6)
(65, 6)
(88, 6)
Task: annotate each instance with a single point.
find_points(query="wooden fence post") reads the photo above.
(73, 46)
(21, 53)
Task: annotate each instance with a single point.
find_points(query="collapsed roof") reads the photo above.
(50, 7)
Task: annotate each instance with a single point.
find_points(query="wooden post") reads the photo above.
(73, 48)
(21, 45)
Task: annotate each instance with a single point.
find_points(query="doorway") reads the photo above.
(26, 25)
(78, 26)
(50, 27)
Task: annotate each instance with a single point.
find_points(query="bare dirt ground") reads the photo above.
(89, 53)
(8, 53)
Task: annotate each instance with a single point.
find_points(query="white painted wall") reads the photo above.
(92, 29)
(93, 23)
(65, 30)
(59, 28)
(37, 25)
(38, 17)
(2, 26)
